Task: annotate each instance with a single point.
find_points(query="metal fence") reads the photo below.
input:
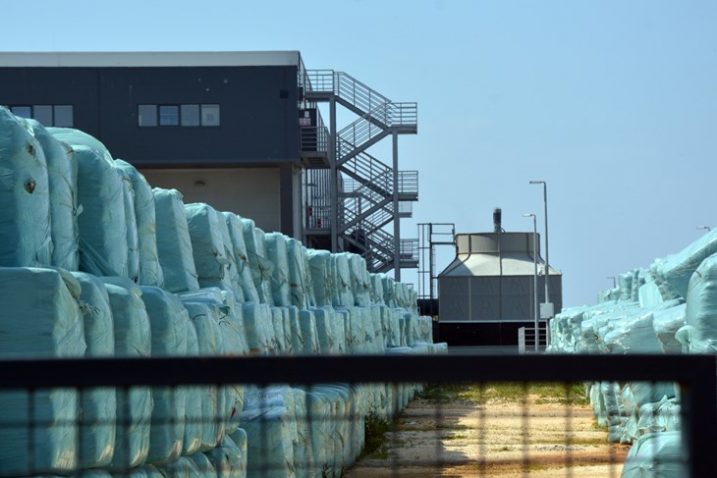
(695, 375)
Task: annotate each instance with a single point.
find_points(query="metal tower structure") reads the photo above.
(357, 198)
(431, 235)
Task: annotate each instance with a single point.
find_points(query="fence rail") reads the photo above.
(695, 374)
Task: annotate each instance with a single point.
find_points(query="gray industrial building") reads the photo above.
(487, 292)
(241, 131)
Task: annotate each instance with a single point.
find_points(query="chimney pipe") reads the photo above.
(497, 220)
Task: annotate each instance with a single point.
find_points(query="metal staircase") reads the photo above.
(367, 203)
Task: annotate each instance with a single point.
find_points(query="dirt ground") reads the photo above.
(458, 434)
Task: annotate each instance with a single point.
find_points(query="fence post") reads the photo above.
(699, 417)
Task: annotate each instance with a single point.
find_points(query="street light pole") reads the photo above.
(535, 281)
(547, 253)
(614, 281)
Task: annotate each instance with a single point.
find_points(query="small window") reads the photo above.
(64, 115)
(43, 114)
(210, 115)
(147, 115)
(190, 115)
(22, 111)
(169, 115)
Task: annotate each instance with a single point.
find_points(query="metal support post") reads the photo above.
(334, 180)
(396, 218)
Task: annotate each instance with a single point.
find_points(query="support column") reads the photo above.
(396, 217)
(334, 177)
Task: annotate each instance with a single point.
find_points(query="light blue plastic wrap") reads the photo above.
(309, 333)
(232, 276)
(150, 271)
(244, 273)
(343, 286)
(75, 137)
(701, 312)
(672, 273)
(99, 405)
(130, 215)
(326, 330)
(183, 467)
(376, 289)
(205, 320)
(39, 318)
(174, 245)
(25, 234)
(666, 322)
(279, 342)
(103, 226)
(261, 267)
(300, 284)
(270, 448)
(195, 419)
(258, 327)
(323, 276)
(360, 281)
(133, 339)
(208, 245)
(276, 252)
(62, 176)
(169, 323)
(229, 459)
(204, 465)
(656, 455)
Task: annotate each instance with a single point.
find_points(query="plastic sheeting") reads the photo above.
(62, 176)
(102, 224)
(322, 276)
(56, 330)
(241, 256)
(276, 252)
(25, 235)
(208, 245)
(150, 271)
(657, 455)
(130, 217)
(132, 339)
(75, 137)
(99, 405)
(174, 244)
(230, 458)
(261, 267)
(169, 323)
(700, 333)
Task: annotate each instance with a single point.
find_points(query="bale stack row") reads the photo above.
(96, 263)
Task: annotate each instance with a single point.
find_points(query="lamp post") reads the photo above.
(547, 253)
(614, 281)
(535, 280)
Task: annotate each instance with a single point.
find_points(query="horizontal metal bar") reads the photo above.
(122, 372)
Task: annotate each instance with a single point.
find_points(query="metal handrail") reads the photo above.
(321, 80)
(408, 182)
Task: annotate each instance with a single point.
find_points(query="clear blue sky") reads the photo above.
(614, 103)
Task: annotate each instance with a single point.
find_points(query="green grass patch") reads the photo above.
(376, 439)
(567, 394)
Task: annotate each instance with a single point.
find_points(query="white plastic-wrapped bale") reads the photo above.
(174, 245)
(232, 276)
(194, 418)
(326, 330)
(150, 271)
(309, 333)
(300, 287)
(656, 455)
(230, 458)
(322, 276)
(75, 137)
(205, 320)
(270, 449)
(261, 267)
(204, 465)
(208, 245)
(40, 318)
(25, 234)
(62, 177)
(102, 224)
(672, 273)
(360, 281)
(99, 405)
(236, 233)
(258, 327)
(130, 215)
(667, 321)
(169, 322)
(276, 252)
(183, 467)
(280, 342)
(343, 294)
(132, 340)
(376, 289)
(700, 333)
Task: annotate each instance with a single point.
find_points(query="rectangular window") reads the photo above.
(64, 116)
(190, 115)
(210, 115)
(43, 114)
(169, 115)
(22, 111)
(147, 115)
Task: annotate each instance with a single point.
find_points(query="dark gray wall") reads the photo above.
(258, 125)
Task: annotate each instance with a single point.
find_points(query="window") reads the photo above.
(22, 111)
(190, 115)
(48, 115)
(43, 114)
(187, 115)
(169, 115)
(63, 116)
(147, 115)
(210, 115)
